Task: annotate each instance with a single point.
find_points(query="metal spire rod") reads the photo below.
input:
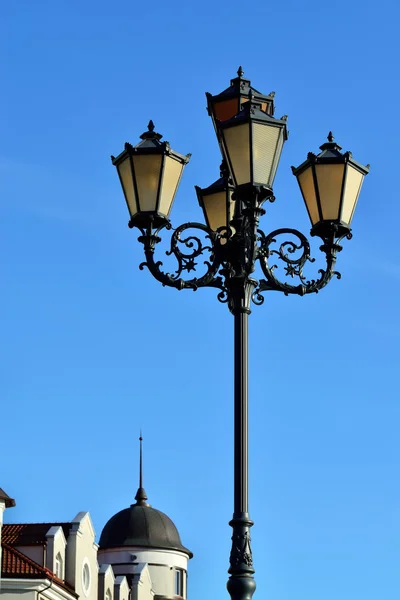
(141, 495)
(141, 461)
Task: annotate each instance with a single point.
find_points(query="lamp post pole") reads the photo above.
(241, 583)
(251, 142)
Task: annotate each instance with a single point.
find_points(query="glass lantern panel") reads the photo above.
(352, 189)
(267, 107)
(172, 174)
(267, 148)
(237, 150)
(125, 174)
(226, 109)
(215, 209)
(147, 173)
(306, 183)
(330, 182)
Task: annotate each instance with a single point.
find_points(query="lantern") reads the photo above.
(216, 201)
(252, 143)
(149, 174)
(330, 184)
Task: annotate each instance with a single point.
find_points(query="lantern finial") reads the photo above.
(240, 72)
(330, 137)
(150, 134)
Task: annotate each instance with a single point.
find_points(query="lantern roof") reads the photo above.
(251, 111)
(150, 144)
(241, 87)
(331, 153)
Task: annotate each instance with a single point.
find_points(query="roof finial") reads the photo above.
(141, 461)
(330, 137)
(141, 495)
(150, 126)
(240, 72)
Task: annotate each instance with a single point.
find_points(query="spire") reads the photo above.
(141, 495)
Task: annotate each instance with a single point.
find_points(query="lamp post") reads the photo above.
(251, 141)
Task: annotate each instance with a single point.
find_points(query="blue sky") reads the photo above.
(93, 349)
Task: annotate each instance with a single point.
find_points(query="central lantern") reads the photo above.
(252, 143)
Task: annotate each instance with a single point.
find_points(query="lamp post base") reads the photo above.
(241, 584)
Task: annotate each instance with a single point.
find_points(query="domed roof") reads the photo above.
(142, 525)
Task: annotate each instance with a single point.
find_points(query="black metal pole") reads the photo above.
(241, 584)
(241, 414)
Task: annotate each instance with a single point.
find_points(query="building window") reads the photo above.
(86, 578)
(108, 595)
(59, 566)
(179, 582)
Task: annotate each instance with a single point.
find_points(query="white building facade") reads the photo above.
(139, 557)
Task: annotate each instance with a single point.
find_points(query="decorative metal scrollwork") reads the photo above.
(295, 255)
(241, 550)
(231, 259)
(186, 259)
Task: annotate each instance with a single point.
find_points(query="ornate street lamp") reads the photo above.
(251, 141)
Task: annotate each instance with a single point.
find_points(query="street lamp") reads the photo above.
(251, 141)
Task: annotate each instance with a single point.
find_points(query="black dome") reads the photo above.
(141, 525)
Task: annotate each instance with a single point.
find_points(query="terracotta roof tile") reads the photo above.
(13, 562)
(30, 534)
(16, 565)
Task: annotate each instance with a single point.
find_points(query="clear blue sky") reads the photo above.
(93, 349)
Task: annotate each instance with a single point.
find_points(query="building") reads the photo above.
(5, 502)
(140, 556)
(50, 560)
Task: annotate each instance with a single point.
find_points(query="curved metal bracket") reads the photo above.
(295, 255)
(186, 259)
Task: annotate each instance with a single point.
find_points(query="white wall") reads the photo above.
(36, 553)
(33, 589)
(56, 543)
(81, 556)
(121, 588)
(161, 565)
(106, 582)
(142, 586)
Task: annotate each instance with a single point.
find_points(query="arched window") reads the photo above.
(59, 566)
(108, 595)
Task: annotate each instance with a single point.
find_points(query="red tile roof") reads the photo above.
(16, 565)
(13, 562)
(29, 534)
